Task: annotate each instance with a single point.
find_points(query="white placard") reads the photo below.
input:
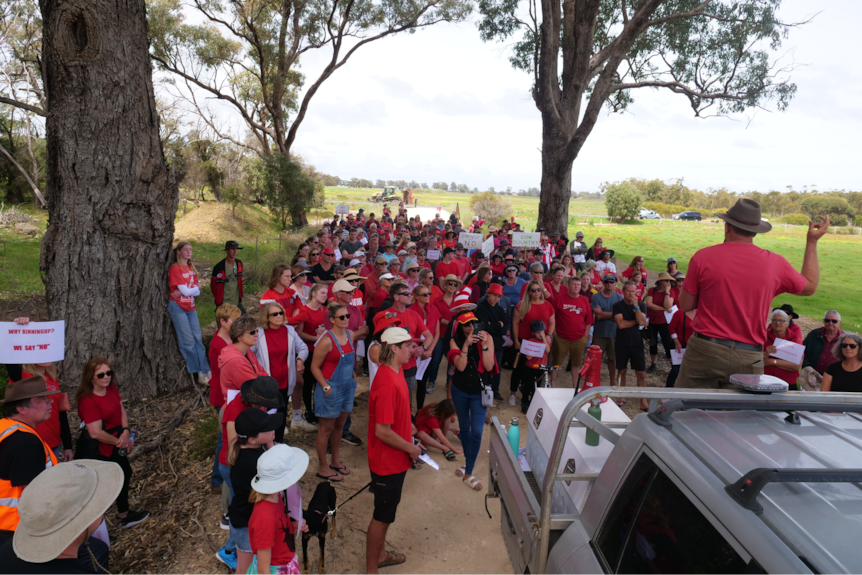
(101, 533)
(526, 240)
(427, 459)
(488, 247)
(345, 234)
(507, 341)
(470, 241)
(668, 315)
(676, 358)
(363, 241)
(342, 209)
(360, 348)
(792, 352)
(421, 366)
(533, 348)
(36, 342)
(432, 255)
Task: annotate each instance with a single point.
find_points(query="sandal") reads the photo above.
(620, 402)
(416, 464)
(473, 482)
(392, 558)
(461, 471)
(455, 432)
(449, 455)
(333, 478)
(343, 470)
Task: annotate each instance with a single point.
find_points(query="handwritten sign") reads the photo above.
(526, 240)
(676, 357)
(668, 315)
(792, 352)
(433, 255)
(470, 241)
(36, 342)
(532, 348)
(342, 209)
(488, 247)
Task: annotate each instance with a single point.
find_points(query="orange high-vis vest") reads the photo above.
(8, 493)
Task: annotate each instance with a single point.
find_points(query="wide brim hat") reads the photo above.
(453, 278)
(411, 266)
(231, 245)
(495, 289)
(603, 252)
(385, 319)
(745, 215)
(59, 505)
(351, 275)
(663, 276)
(342, 285)
(28, 388)
(461, 301)
(590, 264)
(263, 391)
(788, 309)
(279, 468)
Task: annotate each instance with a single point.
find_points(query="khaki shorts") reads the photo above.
(560, 348)
(609, 350)
(709, 365)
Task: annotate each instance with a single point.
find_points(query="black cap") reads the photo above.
(231, 244)
(448, 251)
(537, 325)
(459, 246)
(262, 391)
(253, 421)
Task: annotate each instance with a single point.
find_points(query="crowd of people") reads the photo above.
(389, 298)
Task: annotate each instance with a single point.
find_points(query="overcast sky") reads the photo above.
(441, 105)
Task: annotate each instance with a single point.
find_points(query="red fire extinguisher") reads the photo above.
(592, 369)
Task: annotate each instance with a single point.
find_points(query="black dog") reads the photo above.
(316, 517)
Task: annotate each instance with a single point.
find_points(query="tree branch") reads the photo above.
(21, 169)
(34, 109)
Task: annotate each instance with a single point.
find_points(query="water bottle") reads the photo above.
(125, 452)
(595, 410)
(514, 436)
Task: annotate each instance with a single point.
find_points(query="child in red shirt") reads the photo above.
(432, 426)
(531, 372)
(277, 510)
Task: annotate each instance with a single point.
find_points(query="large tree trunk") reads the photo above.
(556, 188)
(110, 194)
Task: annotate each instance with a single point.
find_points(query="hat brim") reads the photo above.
(760, 228)
(41, 549)
(274, 421)
(270, 486)
(463, 307)
(9, 392)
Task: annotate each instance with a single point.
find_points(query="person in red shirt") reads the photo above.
(55, 432)
(184, 287)
(448, 267)
(680, 331)
(531, 372)
(412, 322)
(310, 331)
(237, 361)
(781, 368)
(497, 265)
(101, 410)
(277, 516)
(426, 278)
(390, 443)
(573, 319)
(432, 427)
(226, 314)
(556, 286)
(729, 327)
(637, 265)
(279, 292)
(658, 301)
(532, 307)
(640, 289)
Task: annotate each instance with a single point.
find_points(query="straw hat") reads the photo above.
(453, 278)
(279, 468)
(663, 276)
(60, 504)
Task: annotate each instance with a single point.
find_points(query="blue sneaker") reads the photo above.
(228, 559)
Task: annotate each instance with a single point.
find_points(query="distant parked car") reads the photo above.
(690, 216)
(646, 214)
(674, 216)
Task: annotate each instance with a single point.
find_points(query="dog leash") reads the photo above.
(367, 485)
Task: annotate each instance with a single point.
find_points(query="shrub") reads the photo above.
(623, 201)
(490, 207)
(794, 219)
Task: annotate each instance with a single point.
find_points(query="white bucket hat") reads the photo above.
(279, 468)
(60, 504)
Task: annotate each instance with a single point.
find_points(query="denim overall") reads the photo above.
(342, 383)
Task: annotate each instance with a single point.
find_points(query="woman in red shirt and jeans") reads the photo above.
(311, 329)
(185, 287)
(100, 409)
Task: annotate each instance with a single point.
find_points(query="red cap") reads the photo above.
(329, 252)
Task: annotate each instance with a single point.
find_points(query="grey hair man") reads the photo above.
(818, 351)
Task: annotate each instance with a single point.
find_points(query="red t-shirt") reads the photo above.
(728, 308)
(436, 293)
(183, 276)
(629, 272)
(388, 403)
(656, 316)
(49, 430)
(269, 527)
(535, 362)
(289, 300)
(231, 411)
(433, 316)
(411, 321)
(464, 265)
(681, 325)
(542, 311)
(379, 297)
(332, 359)
(498, 270)
(555, 292)
(573, 315)
(216, 394)
(444, 269)
(309, 326)
(789, 376)
(108, 409)
(426, 422)
(277, 345)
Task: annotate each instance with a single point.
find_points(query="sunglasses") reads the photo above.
(609, 282)
(404, 293)
(426, 294)
(450, 284)
(843, 346)
(343, 317)
(276, 314)
(110, 373)
(381, 263)
(315, 254)
(536, 290)
(831, 320)
(253, 332)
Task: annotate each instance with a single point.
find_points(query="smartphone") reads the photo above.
(478, 326)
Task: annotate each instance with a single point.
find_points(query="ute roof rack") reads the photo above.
(746, 489)
(661, 415)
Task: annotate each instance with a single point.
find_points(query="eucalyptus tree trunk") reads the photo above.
(111, 199)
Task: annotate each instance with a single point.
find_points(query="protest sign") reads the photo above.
(788, 350)
(470, 241)
(342, 209)
(526, 240)
(432, 255)
(668, 315)
(36, 342)
(488, 247)
(532, 348)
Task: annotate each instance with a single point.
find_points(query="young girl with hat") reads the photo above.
(277, 514)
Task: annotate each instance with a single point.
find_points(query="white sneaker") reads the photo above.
(303, 425)
(512, 401)
(204, 378)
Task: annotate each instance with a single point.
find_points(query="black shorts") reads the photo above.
(387, 495)
(635, 354)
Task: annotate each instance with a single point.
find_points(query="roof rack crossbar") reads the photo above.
(662, 414)
(745, 490)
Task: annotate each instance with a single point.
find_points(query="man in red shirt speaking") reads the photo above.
(730, 326)
(574, 318)
(390, 443)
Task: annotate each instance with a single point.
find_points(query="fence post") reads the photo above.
(255, 250)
